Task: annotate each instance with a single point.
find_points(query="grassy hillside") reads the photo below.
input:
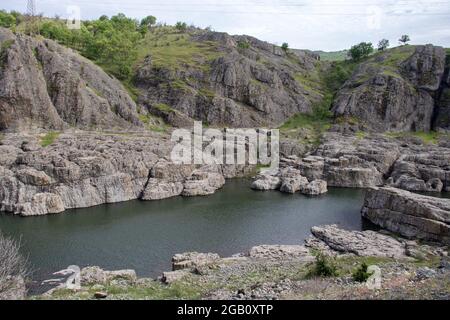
(333, 55)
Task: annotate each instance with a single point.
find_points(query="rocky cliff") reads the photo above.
(396, 90)
(220, 79)
(44, 85)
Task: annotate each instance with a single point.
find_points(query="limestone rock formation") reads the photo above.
(365, 243)
(44, 85)
(279, 252)
(191, 260)
(411, 215)
(315, 188)
(236, 80)
(394, 90)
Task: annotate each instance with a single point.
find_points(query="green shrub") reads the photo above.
(49, 138)
(324, 267)
(361, 274)
(242, 44)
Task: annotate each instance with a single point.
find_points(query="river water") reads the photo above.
(145, 235)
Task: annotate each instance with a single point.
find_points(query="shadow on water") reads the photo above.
(145, 235)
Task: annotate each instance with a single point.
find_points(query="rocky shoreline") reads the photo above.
(407, 269)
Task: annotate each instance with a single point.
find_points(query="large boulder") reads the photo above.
(315, 188)
(409, 214)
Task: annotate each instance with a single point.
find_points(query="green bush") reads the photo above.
(7, 20)
(242, 44)
(324, 267)
(361, 274)
(359, 51)
(49, 138)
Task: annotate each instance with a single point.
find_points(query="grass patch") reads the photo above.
(49, 138)
(431, 137)
(5, 45)
(395, 56)
(164, 107)
(154, 124)
(361, 135)
(333, 56)
(207, 93)
(131, 89)
(318, 121)
(324, 266)
(173, 50)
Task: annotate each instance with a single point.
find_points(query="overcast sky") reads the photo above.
(304, 24)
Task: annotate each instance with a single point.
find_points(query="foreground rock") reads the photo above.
(411, 215)
(289, 180)
(364, 244)
(285, 272)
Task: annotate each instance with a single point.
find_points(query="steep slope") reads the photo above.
(44, 85)
(394, 90)
(225, 80)
(443, 102)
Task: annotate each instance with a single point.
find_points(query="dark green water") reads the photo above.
(145, 235)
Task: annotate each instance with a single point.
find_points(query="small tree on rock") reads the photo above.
(285, 46)
(404, 39)
(383, 44)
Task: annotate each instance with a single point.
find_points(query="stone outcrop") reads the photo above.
(240, 87)
(394, 90)
(44, 85)
(281, 252)
(292, 181)
(364, 243)
(265, 182)
(315, 188)
(98, 276)
(82, 170)
(411, 215)
(192, 260)
(203, 181)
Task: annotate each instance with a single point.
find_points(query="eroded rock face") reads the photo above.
(278, 252)
(44, 85)
(266, 182)
(292, 181)
(365, 243)
(237, 87)
(411, 215)
(315, 188)
(98, 276)
(394, 95)
(191, 260)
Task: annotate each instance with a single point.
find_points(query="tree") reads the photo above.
(12, 264)
(404, 39)
(285, 46)
(7, 20)
(146, 24)
(383, 44)
(360, 51)
(181, 26)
